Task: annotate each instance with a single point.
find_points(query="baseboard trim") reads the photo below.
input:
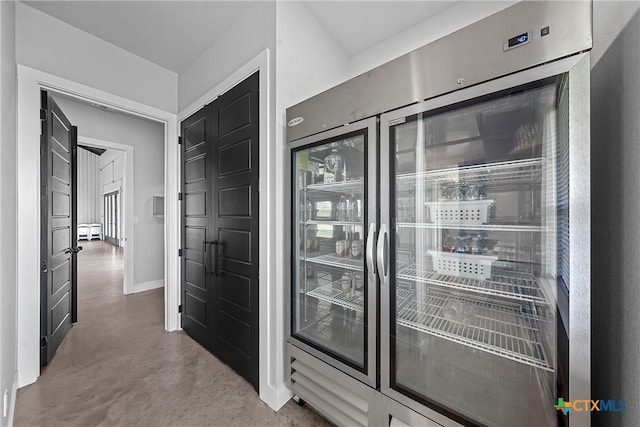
(12, 399)
(275, 397)
(147, 286)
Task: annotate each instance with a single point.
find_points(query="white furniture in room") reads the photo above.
(89, 231)
(95, 231)
(83, 231)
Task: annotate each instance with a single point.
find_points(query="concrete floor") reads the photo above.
(118, 366)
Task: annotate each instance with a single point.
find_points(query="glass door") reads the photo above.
(479, 232)
(333, 292)
(112, 217)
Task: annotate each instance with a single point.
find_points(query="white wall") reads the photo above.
(615, 127)
(308, 61)
(8, 217)
(111, 171)
(48, 44)
(434, 28)
(87, 178)
(147, 138)
(253, 32)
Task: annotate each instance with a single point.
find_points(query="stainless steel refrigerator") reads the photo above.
(440, 266)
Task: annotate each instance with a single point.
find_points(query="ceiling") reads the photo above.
(173, 34)
(94, 150)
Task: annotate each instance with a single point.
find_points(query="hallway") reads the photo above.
(118, 366)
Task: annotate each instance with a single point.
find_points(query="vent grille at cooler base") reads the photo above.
(335, 400)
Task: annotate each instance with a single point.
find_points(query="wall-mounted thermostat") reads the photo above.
(518, 40)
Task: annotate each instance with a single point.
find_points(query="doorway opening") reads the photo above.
(30, 83)
(104, 206)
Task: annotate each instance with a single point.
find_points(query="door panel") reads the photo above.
(236, 228)
(236, 111)
(58, 229)
(235, 201)
(60, 277)
(61, 205)
(195, 204)
(196, 170)
(234, 158)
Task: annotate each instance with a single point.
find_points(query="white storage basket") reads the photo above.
(462, 265)
(459, 211)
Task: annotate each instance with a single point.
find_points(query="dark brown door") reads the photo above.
(197, 136)
(58, 227)
(235, 228)
(220, 208)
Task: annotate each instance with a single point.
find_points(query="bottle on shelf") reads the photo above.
(342, 208)
(309, 210)
(356, 246)
(358, 283)
(348, 208)
(319, 177)
(335, 168)
(353, 213)
(346, 282)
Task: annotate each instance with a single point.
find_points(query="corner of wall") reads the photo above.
(8, 211)
(615, 107)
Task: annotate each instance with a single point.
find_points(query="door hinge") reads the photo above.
(179, 252)
(43, 341)
(43, 114)
(179, 196)
(179, 140)
(180, 308)
(43, 265)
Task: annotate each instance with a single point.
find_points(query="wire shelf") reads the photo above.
(502, 173)
(331, 222)
(334, 260)
(517, 286)
(335, 296)
(458, 226)
(498, 329)
(350, 186)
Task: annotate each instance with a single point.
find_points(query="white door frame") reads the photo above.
(127, 218)
(30, 82)
(273, 390)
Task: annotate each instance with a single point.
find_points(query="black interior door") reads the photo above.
(197, 132)
(58, 227)
(235, 227)
(220, 208)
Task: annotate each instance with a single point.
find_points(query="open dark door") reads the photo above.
(220, 246)
(235, 228)
(58, 247)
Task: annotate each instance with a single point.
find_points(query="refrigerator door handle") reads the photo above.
(371, 242)
(382, 251)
